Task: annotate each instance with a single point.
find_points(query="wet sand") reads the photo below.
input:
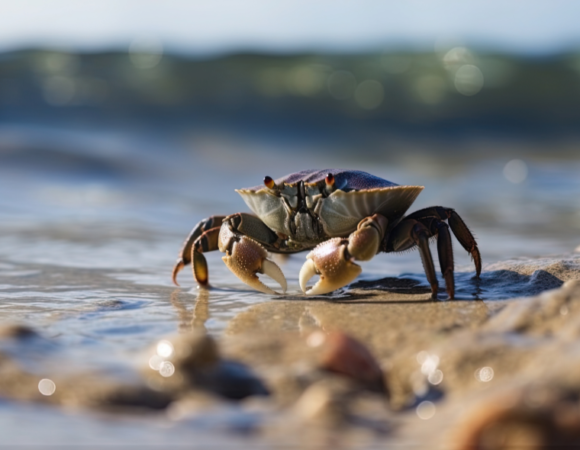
(450, 370)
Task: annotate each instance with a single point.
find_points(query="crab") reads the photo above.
(343, 216)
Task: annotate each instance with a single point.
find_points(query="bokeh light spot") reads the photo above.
(456, 57)
(306, 80)
(155, 362)
(164, 349)
(430, 364)
(58, 63)
(46, 387)
(515, 171)
(145, 52)
(426, 410)
(422, 356)
(485, 374)
(369, 94)
(436, 377)
(316, 339)
(468, 80)
(166, 369)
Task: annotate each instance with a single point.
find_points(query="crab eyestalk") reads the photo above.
(329, 181)
(269, 182)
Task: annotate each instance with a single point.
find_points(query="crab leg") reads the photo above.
(334, 259)
(445, 252)
(459, 228)
(186, 254)
(465, 238)
(411, 232)
(420, 235)
(245, 256)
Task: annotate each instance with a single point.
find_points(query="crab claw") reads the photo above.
(330, 261)
(246, 258)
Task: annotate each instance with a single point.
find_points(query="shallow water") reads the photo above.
(91, 223)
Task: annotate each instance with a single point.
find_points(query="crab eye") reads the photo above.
(269, 183)
(330, 179)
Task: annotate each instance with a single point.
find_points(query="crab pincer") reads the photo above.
(331, 261)
(334, 260)
(245, 257)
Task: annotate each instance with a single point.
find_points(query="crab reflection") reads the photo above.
(366, 310)
(195, 318)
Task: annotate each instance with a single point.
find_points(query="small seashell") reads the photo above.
(345, 355)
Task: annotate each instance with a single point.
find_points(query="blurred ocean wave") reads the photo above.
(458, 93)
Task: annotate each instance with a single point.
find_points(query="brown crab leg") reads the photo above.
(207, 242)
(420, 235)
(465, 238)
(445, 252)
(185, 254)
(459, 228)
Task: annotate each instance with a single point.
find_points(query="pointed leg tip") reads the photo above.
(176, 269)
(307, 271)
(434, 292)
(201, 277)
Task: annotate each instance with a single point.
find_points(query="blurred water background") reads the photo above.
(109, 155)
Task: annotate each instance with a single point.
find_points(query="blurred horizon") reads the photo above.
(421, 98)
(225, 27)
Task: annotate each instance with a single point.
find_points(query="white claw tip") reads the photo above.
(273, 271)
(307, 271)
